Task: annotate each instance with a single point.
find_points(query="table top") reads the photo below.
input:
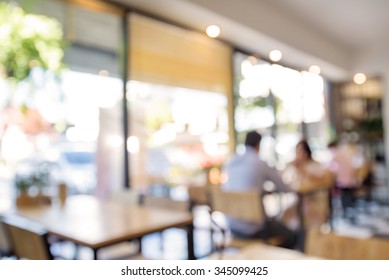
(262, 251)
(90, 222)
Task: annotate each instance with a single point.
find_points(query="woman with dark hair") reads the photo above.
(302, 172)
(303, 155)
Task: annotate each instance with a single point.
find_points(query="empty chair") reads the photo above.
(164, 202)
(5, 242)
(133, 249)
(29, 241)
(199, 195)
(127, 196)
(124, 250)
(167, 203)
(200, 204)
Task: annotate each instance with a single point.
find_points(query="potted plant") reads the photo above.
(22, 184)
(30, 187)
(28, 41)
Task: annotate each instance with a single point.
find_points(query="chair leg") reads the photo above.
(139, 245)
(212, 244)
(300, 242)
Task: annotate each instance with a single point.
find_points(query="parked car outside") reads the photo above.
(71, 163)
(77, 165)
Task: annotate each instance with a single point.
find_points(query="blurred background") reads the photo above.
(151, 95)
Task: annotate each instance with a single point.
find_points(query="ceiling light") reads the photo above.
(275, 55)
(252, 59)
(315, 69)
(213, 31)
(359, 78)
(104, 73)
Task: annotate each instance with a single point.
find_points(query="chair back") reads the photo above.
(333, 246)
(166, 203)
(29, 241)
(129, 197)
(5, 242)
(198, 195)
(245, 206)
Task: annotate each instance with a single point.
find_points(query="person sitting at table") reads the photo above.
(247, 172)
(350, 169)
(306, 173)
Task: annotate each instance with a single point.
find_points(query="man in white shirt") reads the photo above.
(247, 172)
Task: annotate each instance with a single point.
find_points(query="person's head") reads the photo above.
(253, 140)
(332, 144)
(303, 151)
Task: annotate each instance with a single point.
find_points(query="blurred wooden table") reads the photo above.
(90, 222)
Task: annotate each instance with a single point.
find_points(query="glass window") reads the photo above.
(178, 100)
(281, 103)
(63, 118)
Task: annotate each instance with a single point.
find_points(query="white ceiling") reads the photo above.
(341, 36)
(359, 26)
(356, 24)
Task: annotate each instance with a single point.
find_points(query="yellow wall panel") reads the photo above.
(165, 54)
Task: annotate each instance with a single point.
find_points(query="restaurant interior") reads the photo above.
(117, 119)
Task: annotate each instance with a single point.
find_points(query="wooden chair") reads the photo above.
(200, 203)
(245, 206)
(165, 202)
(127, 196)
(29, 241)
(199, 195)
(131, 197)
(5, 241)
(334, 246)
(124, 250)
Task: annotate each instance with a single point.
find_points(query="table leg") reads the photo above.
(140, 245)
(94, 253)
(330, 210)
(301, 230)
(76, 251)
(190, 236)
(300, 211)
